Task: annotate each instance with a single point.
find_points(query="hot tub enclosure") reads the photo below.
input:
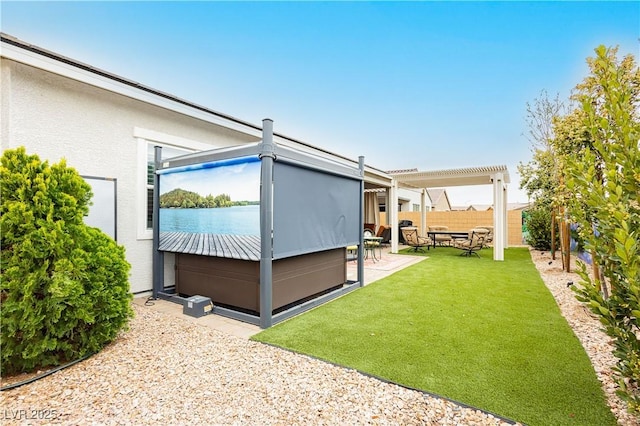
(310, 210)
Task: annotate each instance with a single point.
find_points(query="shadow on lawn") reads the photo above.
(447, 251)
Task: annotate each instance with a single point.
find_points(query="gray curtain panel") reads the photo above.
(313, 211)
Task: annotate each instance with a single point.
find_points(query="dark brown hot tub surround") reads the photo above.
(236, 283)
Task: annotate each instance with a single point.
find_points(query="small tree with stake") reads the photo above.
(64, 285)
(540, 175)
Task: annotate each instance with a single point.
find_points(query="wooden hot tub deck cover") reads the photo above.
(244, 247)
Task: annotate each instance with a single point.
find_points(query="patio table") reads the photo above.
(452, 234)
(370, 246)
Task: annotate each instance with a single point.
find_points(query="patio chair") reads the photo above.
(384, 232)
(352, 253)
(488, 239)
(412, 239)
(473, 244)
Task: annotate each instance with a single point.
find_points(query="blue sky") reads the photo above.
(240, 181)
(427, 85)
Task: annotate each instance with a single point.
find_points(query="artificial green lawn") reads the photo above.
(488, 334)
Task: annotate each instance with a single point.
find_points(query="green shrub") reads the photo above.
(64, 285)
(538, 224)
(604, 177)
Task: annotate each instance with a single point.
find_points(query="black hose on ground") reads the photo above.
(45, 374)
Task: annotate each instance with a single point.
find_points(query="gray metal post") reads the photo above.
(361, 221)
(158, 256)
(267, 155)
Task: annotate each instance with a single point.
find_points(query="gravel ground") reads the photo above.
(172, 371)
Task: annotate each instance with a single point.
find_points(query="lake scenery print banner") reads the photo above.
(217, 198)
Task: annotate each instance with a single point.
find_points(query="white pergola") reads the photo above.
(498, 176)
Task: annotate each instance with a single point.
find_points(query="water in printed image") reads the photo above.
(237, 220)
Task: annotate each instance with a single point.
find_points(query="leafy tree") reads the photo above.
(539, 177)
(209, 201)
(188, 199)
(600, 153)
(179, 198)
(589, 161)
(223, 200)
(63, 285)
(187, 204)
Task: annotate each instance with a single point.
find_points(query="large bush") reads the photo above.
(538, 224)
(64, 285)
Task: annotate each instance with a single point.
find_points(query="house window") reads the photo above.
(416, 207)
(167, 152)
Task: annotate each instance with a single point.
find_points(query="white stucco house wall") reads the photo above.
(106, 126)
(409, 200)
